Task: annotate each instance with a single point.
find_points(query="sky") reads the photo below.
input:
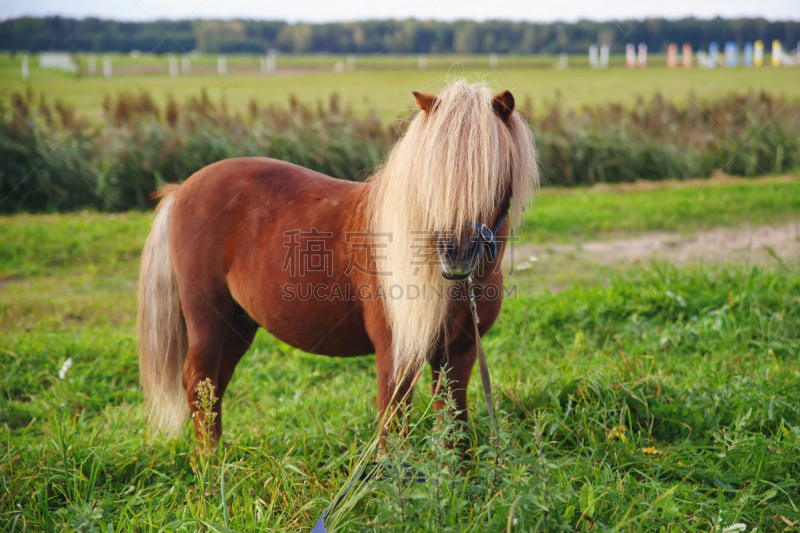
(339, 10)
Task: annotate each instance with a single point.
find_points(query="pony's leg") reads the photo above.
(394, 394)
(209, 323)
(239, 340)
(458, 371)
(202, 363)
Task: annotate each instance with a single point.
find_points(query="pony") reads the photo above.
(334, 267)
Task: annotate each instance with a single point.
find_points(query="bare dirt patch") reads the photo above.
(753, 245)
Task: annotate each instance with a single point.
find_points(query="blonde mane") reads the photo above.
(451, 167)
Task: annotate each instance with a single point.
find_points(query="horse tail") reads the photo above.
(161, 327)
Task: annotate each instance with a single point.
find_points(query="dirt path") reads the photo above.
(755, 245)
(719, 178)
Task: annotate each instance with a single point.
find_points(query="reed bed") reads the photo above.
(54, 160)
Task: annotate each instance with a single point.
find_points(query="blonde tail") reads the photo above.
(161, 328)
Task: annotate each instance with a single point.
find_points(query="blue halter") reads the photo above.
(488, 236)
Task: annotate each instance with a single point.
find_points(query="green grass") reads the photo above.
(385, 85)
(587, 214)
(36, 245)
(46, 244)
(656, 400)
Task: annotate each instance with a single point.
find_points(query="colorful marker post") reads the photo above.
(672, 55)
(713, 52)
(630, 55)
(687, 55)
(731, 54)
(758, 53)
(748, 54)
(777, 53)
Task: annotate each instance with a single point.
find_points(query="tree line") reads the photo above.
(381, 36)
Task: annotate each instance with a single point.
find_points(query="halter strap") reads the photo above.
(488, 236)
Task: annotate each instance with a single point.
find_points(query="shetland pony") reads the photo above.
(334, 267)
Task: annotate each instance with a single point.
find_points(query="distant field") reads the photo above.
(384, 83)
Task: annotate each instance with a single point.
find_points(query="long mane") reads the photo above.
(452, 166)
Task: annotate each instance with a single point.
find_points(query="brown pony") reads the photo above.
(335, 267)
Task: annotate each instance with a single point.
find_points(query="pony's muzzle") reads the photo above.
(459, 255)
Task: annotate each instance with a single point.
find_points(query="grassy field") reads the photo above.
(384, 84)
(656, 399)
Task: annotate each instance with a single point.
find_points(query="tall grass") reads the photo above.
(52, 161)
(664, 401)
(743, 134)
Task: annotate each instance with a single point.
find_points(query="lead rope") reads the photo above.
(486, 378)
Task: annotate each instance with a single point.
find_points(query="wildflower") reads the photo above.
(734, 528)
(64, 368)
(525, 265)
(652, 450)
(679, 298)
(618, 432)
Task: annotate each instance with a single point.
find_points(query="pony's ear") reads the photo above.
(425, 101)
(503, 105)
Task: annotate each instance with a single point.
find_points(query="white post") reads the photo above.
(173, 67)
(593, 56)
(25, 70)
(272, 62)
(563, 60)
(642, 58)
(492, 61)
(222, 65)
(422, 61)
(604, 51)
(186, 64)
(107, 67)
(351, 62)
(92, 64)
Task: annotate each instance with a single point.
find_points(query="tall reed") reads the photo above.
(52, 160)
